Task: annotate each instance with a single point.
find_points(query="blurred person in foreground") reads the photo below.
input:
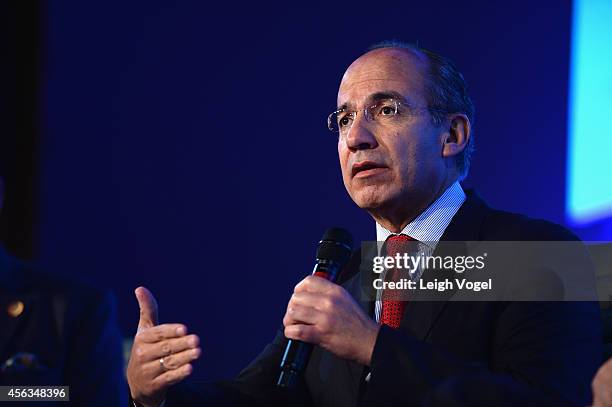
(404, 122)
(57, 332)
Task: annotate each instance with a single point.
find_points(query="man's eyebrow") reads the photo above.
(377, 97)
(389, 94)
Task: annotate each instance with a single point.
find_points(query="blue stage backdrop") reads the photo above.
(185, 147)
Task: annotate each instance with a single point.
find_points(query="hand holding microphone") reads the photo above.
(325, 314)
(161, 354)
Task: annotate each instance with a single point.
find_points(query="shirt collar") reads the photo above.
(429, 226)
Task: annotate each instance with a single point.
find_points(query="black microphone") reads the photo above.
(333, 252)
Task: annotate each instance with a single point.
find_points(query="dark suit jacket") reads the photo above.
(445, 353)
(69, 328)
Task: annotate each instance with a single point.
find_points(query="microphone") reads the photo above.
(333, 252)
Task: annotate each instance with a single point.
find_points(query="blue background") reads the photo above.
(184, 146)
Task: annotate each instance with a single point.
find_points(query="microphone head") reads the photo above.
(336, 245)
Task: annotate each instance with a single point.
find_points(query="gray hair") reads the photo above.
(445, 91)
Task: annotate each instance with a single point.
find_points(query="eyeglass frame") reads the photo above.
(370, 118)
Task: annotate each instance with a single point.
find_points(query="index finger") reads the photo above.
(161, 332)
(314, 284)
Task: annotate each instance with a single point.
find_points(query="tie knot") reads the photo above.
(400, 238)
(398, 244)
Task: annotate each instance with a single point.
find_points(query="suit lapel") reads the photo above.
(420, 316)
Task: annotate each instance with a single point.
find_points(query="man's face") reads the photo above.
(387, 165)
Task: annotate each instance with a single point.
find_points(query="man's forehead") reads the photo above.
(361, 91)
(378, 71)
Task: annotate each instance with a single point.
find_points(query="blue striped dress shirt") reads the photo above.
(427, 228)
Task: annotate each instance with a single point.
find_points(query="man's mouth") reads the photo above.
(367, 168)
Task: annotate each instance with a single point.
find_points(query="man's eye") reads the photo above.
(344, 121)
(387, 110)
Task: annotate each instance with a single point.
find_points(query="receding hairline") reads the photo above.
(417, 60)
(413, 52)
(415, 55)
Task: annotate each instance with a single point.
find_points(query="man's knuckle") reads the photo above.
(326, 323)
(142, 358)
(170, 362)
(290, 311)
(165, 348)
(182, 359)
(335, 300)
(301, 285)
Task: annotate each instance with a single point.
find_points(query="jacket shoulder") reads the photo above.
(502, 225)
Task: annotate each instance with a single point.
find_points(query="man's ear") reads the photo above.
(457, 135)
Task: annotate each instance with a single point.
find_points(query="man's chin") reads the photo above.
(370, 201)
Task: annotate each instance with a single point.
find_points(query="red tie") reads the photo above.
(392, 304)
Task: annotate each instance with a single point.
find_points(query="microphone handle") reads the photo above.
(297, 353)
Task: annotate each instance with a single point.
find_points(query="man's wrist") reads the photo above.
(368, 343)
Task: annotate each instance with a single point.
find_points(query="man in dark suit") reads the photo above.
(56, 332)
(404, 123)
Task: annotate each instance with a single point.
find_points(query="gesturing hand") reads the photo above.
(161, 354)
(325, 314)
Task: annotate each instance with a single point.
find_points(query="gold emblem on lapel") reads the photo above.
(15, 309)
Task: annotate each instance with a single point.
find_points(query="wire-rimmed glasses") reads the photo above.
(385, 111)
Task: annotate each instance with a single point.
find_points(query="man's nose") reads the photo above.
(360, 135)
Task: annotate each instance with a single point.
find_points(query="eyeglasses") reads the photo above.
(387, 111)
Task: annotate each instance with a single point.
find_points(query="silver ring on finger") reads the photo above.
(162, 364)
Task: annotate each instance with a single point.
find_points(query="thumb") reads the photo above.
(148, 308)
